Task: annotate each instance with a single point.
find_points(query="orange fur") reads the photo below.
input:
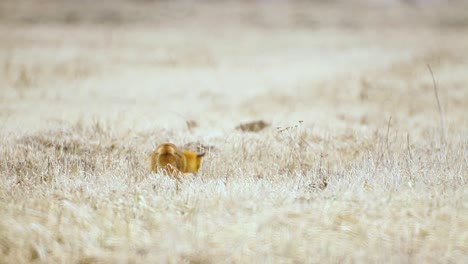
(192, 161)
(172, 161)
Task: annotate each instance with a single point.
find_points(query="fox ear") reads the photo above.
(200, 154)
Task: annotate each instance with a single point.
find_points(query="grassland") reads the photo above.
(365, 160)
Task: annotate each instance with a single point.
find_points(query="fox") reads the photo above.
(174, 161)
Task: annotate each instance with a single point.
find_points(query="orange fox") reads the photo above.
(173, 161)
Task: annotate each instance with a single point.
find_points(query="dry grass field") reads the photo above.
(364, 159)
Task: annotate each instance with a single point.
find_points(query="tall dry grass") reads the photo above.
(83, 194)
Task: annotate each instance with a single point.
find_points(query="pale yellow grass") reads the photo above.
(358, 165)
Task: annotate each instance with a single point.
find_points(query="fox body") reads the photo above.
(173, 161)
